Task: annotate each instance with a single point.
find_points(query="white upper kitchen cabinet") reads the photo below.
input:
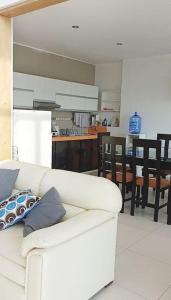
(84, 90)
(23, 98)
(69, 103)
(70, 95)
(76, 103)
(44, 89)
(63, 87)
(76, 89)
(23, 81)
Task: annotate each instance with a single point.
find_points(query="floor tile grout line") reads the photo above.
(149, 256)
(159, 224)
(154, 259)
(139, 240)
(164, 293)
(123, 287)
(133, 292)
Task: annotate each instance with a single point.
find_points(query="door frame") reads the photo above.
(6, 67)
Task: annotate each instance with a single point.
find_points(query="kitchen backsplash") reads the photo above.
(70, 119)
(62, 119)
(76, 120)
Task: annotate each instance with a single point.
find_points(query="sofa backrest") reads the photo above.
(29, 176)
(86, 191)
(82, 190)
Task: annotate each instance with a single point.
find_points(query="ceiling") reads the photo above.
(6, 3)
(143, 26)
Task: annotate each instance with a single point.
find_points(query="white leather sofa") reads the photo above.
(72, 260)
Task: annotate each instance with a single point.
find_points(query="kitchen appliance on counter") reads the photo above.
(55, 130)
(32, 136)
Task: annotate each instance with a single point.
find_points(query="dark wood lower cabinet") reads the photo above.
(78, 156)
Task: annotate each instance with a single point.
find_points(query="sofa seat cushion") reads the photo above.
(12, 264)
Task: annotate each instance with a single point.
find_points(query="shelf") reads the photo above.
(111, 95)
(104, 101)
(77, 110)
(113, 110)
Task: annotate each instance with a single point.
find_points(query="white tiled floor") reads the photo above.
(143, 260)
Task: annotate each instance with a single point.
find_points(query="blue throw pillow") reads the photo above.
(48, 212)
(16, 208)
(7, 182)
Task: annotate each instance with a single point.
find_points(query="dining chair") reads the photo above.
(114, 166)
(166, 139)
(151, 175)
(99, 150)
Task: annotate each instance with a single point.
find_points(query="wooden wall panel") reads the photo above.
(28, 6)
(5, 87)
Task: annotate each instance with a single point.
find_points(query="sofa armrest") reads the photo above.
(64, 231)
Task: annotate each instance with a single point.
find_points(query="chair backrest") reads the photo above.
(99, 148)
(111, 157)
(166, 138)
(151, 165)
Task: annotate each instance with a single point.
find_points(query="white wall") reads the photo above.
(146, 88)
(108, 76)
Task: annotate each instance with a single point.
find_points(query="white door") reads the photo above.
(32, 136)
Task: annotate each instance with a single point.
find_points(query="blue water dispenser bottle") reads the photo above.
(135, 124)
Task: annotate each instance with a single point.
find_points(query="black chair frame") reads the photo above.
(145, 162)
(110, 160)
(99, 150)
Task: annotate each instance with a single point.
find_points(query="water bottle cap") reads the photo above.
(136, 113)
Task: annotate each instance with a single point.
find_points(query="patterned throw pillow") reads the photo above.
(16, 208)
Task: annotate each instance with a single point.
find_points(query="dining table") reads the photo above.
(165, 164)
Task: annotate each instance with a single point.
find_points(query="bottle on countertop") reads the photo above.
(117, 122)
(104, 123)
(135, 124)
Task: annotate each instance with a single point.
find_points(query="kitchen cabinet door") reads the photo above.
(23, 98)
(63, 87)
(76, 103)
(84, 90)
(44, 89)
(23, 81)
(90, 104)
(88, 155)
(74, 156)
(59, 155)
(70, 102)
(66, 156)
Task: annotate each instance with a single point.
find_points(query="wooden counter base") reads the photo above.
(74, 138)
(75, 153)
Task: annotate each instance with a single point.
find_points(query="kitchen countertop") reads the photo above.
(74, 138)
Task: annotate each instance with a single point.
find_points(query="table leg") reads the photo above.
(169, 208)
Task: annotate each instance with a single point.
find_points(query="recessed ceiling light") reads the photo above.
(119, 44)
(75, 26)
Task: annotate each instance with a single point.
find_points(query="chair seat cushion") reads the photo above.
(119, 175)
(164, 183)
